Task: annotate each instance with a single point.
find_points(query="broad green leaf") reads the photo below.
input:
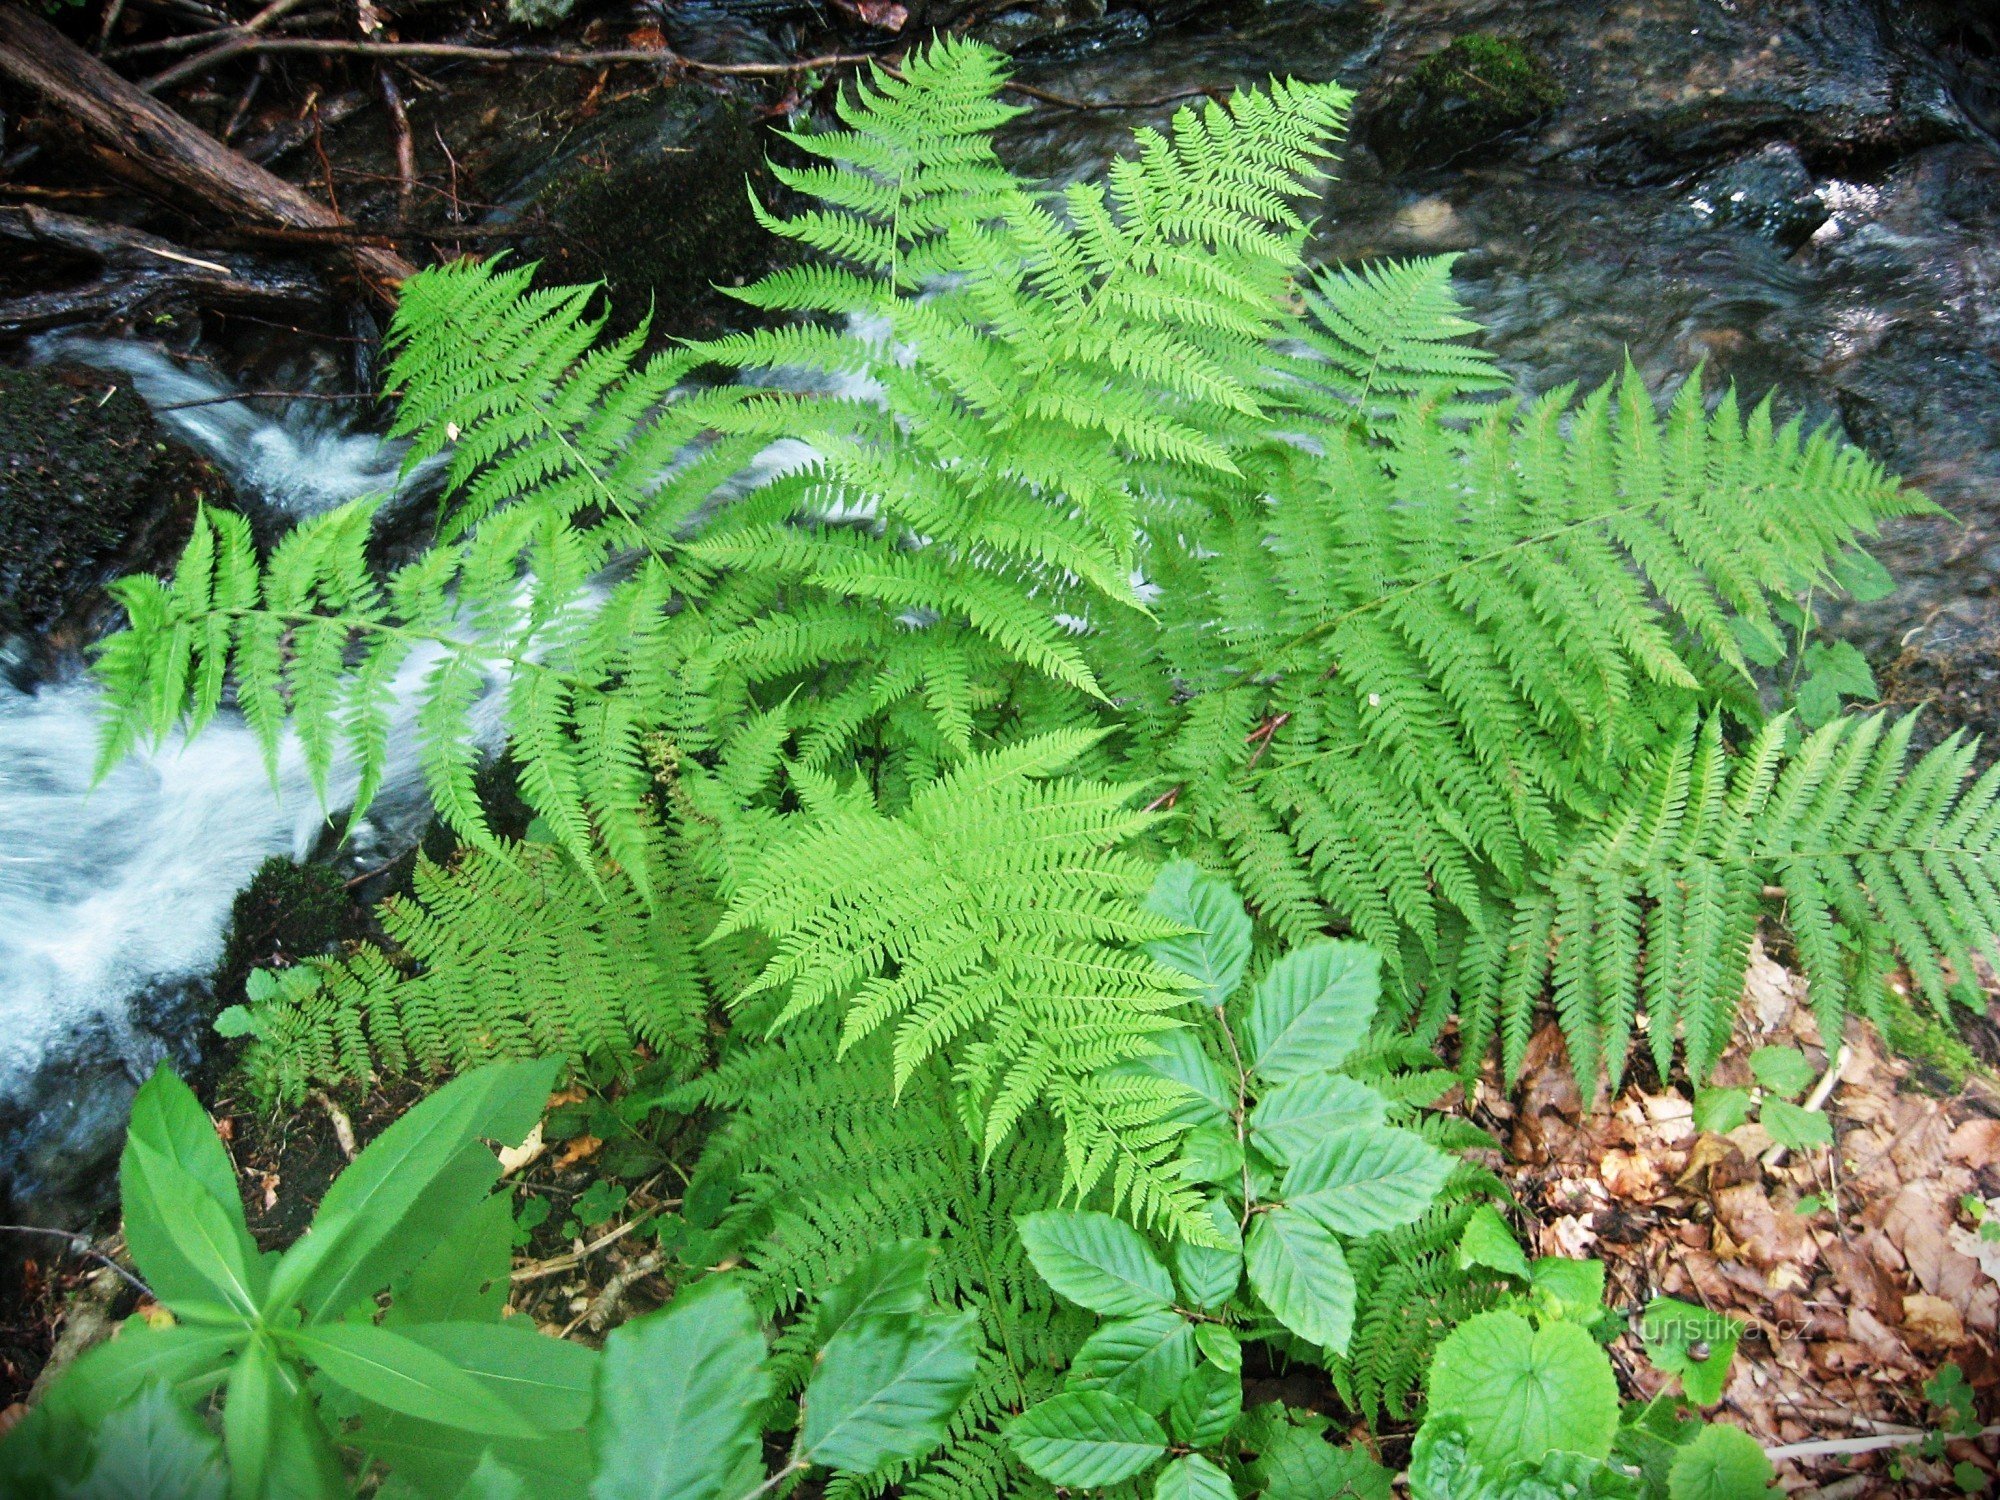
(1211, 1153)
(1096, 1261)
(1487, 1241)
(465, 1277)
(403, 1193)
(183, 1213)
(192, 1361)
(1572, 1289)
(885, 1389)
(1311, 1009)
(1085, 1439)
(1208, 1273)
(1206, 1406)
(1523, 1392)
(1180, 1057)
(1691, 1342)
(1291, 1118)
(1367, 1180)
(1784, 1071)
(390, 1370)
(1300, 1271)
(1192, 1477)
(547, 1382)
(1719, 1111)
(1220, 1346)
(1722, 1463)
(1217, 947)
(493, 1480)
(437, 1462)
(1299, 1464)
(891, 1278)
(1794, 1128)
(153, 1448)
(276, 1446)
(1142, 1359)
(678, 1398)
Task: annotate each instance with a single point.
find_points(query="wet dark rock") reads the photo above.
(289, 911)
(1770, 193)
(62, 1125)
(654, 205)
(1475, 91)
(90, 487)
(1953, 672)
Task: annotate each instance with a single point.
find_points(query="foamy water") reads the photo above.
(109, 891)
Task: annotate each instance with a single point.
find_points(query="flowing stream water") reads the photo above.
(114, 897)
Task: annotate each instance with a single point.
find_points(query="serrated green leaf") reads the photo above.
(1141, 1359)
(1795, 1128)
(1220, 1345)
(679, 1394)
(1722, 1463)
(1719, 1111)
(1782, 1070)
(1367, 1180)
(1487, 1241)
(1312, 1009)
(1296, 1115)
(1300, 1464)
(152, 1448)
(1692, 1342)
(1300, 1271)
(1096, 1261)
(1208, 1274)
(1192, 1477)
(1206, 1406)
(1217, 946)
(1086, 1439)
(1524, 1392)
(1571, 1288)
(885, 1389)
(889, 1279)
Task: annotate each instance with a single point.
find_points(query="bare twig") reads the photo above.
(1064, 101)
(80, 1244)
(545, 1269)
(238, 37)
(343, 1126)
(406, 148)
(1826, 1447)
(269, 396)
(607, 1304)
(559, 57)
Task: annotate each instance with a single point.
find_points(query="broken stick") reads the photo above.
(161, 147)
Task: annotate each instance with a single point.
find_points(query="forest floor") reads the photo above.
(1859, 1270)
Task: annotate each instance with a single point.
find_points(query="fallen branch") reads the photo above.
(558, 57)
(140, 274)
(139, 136)
(80, 1244)
(1828, 1447)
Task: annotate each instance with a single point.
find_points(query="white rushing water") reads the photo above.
(110, 890)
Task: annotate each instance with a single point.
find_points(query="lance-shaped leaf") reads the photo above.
(412, 1184)
(405, 1376)
(183, 1214)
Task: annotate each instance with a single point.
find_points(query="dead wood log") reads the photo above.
(138, 274)
(161, 147)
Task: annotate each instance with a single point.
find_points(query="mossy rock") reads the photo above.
(1475, 91)
(289, 911)
(655, 207)
(90, 486)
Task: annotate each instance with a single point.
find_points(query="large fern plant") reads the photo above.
(1106, 470)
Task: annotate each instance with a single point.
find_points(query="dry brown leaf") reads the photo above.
(1634, 1176)
(581, 1149)
(1767, 1238)
(1932, 1323)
